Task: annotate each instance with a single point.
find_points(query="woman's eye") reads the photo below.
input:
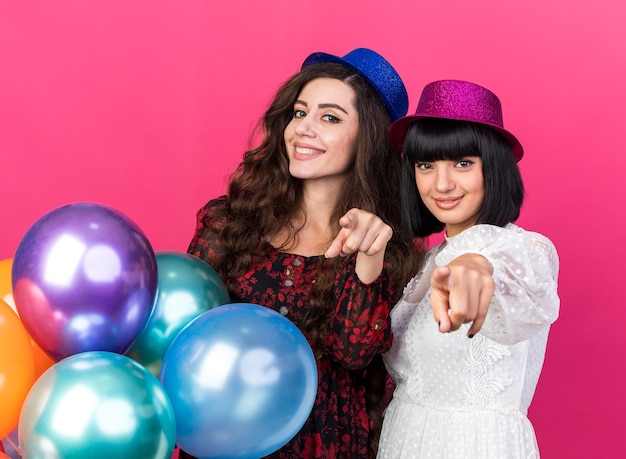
(422, 166)
(299, 113)
(331, 118)
(464, 163)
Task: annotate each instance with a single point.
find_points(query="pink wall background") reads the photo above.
(147, 106)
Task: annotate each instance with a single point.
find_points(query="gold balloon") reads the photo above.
(6, 289)
(42, 360)
(17, 368)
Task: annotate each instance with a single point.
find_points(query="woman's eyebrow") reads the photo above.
(338, 107)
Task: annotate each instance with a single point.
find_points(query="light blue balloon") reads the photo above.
(187, 287)
(97, 405)
(242, 379)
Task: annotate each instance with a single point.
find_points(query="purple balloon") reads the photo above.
(84, 279)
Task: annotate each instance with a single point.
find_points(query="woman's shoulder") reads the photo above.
(485, 231)
(534, 237)
(489, 239)
(213, 211)
(216, 203)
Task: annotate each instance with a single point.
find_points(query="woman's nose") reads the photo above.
(304, 127)
(443, 180)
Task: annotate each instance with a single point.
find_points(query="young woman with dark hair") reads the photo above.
(452, 140)
(464, 381)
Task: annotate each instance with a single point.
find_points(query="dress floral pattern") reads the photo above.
(458, 397)
(339, 425)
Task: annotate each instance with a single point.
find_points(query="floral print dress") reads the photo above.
(338, 426)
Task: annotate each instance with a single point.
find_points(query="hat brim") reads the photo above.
(318, 58)
(397, 133)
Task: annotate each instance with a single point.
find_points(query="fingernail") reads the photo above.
(470, 336)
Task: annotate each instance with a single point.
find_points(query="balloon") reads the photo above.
(187, 287)
(17, 368)
(242, 380)
(42, 360)
(9, 445)
(6, 289)
(96, 405)
(84, 279)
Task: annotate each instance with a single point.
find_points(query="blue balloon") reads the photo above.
(187, 287)
(84, 279)
(97, 405)
(242, 380)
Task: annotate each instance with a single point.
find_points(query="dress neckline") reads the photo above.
(291, 254)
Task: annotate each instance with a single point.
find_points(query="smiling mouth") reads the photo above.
(447, 203)
(307, 151)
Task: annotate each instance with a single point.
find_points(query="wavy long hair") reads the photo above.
(264, 199)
